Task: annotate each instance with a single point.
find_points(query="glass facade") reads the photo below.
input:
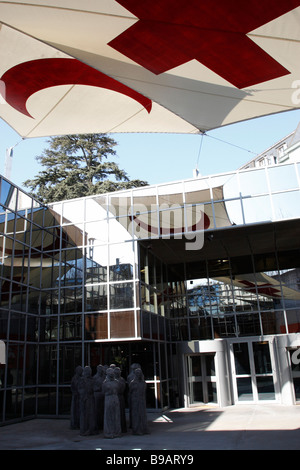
(130, 276)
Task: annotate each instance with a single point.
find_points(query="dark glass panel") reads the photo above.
(96, 297)
(122, 324)
(95, 326)
(69, 359)
(121, 295)
(47, 364)
(31, 364)
(244, 387)
(30, 398)
(262, 358)
(47, 400)
(241, 358)
(70, 327)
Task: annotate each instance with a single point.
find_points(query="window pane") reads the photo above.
(196, 366)
(96, 265)
(212, 392)
(7, 193)
(257, 209)
(286, 205)
(241, 358)
(244, 389)
(197, 392)
(95, 208)
(171, 194)
(265, 388)
(121, 295)
(95, 326)
(70, 327)
(96, 297)
(210, 365)
(122, 325)
(73, 211)
(121, 268)
(282, 177)
(262, 358)
(253, 182)
(297, 388)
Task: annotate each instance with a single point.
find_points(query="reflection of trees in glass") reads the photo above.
(204, 299)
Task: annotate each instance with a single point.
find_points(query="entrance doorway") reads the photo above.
(202, 383)
(295, 370)
(253, 371)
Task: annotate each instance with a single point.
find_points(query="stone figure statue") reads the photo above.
(121, 391)
(112, 421)
(131, 372)
(98, 380)
(87, 403)
(130, 377)
(75, 403)
(137, 388)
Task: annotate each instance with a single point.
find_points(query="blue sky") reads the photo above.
(159, 158)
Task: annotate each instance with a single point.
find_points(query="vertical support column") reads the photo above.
(286, 382)
(223, 377)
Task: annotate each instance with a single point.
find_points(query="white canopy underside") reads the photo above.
(188, 98)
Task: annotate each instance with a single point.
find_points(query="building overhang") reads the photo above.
(236, 242)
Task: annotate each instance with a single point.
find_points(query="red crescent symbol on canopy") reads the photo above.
(27, 78)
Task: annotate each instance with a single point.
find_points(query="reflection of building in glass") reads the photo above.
(198, 281)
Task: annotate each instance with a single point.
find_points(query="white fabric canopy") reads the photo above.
(69, 66)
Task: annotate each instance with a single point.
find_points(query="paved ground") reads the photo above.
(255, 427)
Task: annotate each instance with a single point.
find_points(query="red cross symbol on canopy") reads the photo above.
(170, 33)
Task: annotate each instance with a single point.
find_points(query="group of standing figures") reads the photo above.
(98, 402)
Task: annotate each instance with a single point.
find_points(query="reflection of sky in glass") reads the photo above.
(286, 205)
(282, 178)
(5, 189)
(257, 204)
(253, 182)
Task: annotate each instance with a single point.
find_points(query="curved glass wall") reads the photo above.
(81, 285)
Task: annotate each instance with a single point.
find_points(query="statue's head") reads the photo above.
(139, 374)
(87, 371)
(110, 374)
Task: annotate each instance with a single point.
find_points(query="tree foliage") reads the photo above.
(78, 165)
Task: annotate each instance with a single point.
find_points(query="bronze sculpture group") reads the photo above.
(98, 402)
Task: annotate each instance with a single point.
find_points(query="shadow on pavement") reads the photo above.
(177, 430)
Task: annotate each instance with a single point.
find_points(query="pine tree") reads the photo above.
(78, 165)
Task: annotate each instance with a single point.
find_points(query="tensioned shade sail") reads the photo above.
(143, 66)
(146, 219)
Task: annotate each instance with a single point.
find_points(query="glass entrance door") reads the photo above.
(253, 371)
(202, 386)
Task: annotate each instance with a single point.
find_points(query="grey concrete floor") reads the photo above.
(253, 427)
